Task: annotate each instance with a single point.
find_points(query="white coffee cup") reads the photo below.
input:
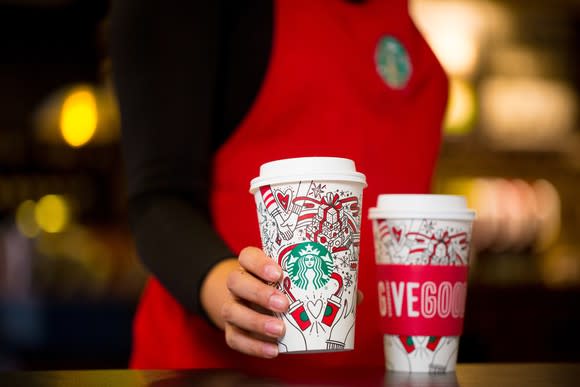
(309, 212)
(422, 247)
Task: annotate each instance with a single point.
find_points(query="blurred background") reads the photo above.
(69, 276)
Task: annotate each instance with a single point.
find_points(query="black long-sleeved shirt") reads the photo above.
(185, 73)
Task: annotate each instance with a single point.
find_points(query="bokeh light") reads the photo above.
(457, 51)
(455, 30)
(512, 214)
(461, 108)
(78, 117)
(25, 220)
(52, 213)
(549, 214)
(527, 112)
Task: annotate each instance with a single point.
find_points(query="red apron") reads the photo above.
(323, 95)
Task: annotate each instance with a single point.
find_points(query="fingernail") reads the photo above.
(274, 327)
(272, 272)
(277, 302)
(270, 350)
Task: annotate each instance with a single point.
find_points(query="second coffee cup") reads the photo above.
(422, 252)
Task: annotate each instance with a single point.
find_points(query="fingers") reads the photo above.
(241, 341)
(249, 288)
(359, 297)
(256, 262)
(243, 317)
(249, 328)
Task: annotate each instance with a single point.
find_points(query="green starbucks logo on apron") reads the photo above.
(392, 62)
(309, 266)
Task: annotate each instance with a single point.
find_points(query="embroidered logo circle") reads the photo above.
(392, 62)
(309, 266)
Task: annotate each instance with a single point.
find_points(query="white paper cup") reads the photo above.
(309, 217)
(422, 247)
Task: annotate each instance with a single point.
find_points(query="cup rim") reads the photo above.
(315, 168)
(376, 213)
(421, 206)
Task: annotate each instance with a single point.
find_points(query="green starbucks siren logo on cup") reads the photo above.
(392, 62)
(309, 266)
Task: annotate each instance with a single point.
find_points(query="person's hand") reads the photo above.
(247, 302)
(250, 326)
(237, 298)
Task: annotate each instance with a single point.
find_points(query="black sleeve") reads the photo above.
(164, 69)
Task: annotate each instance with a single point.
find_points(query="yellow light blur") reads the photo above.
(78, 117)
(512, 214)
(456, 50)
(458, 186)
(52, 213)
(25, 221)
(560, 267)
(549, 214)
(456, 30)
(461, 109)
(518, 60)
(527, 112)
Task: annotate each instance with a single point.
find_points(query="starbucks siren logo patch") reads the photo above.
(309, 266)
(392, 62)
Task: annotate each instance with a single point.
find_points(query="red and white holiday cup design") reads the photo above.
(333, 303)
(422, 247)
(296, 308)
(309, 216)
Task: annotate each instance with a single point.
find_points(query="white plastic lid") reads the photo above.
(417, 206)
(307, 168)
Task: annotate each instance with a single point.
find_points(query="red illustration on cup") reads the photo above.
(296, 308)
(333, 303)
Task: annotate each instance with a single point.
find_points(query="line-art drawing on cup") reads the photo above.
(309, 216)
(422, 252)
